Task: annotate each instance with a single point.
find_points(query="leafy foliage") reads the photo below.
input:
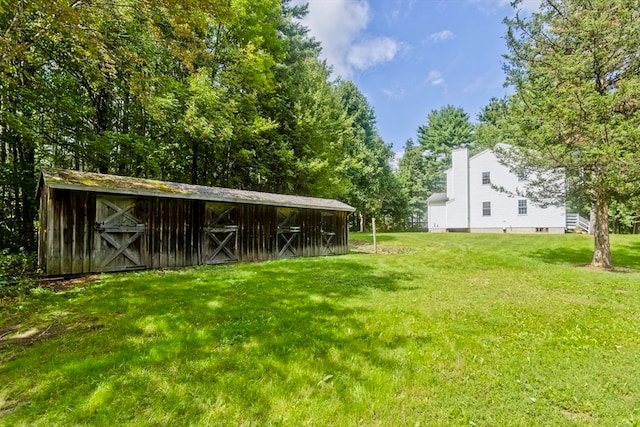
(446, 129)
(412, 175)
(488, 131)
(374, 189)
(574, 66)
(16, 272)
(228, 93)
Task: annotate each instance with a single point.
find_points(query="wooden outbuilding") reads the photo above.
(93, 222)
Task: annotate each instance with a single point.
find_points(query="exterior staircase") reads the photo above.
(574, 221)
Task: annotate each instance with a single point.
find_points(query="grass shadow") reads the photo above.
(233, 334)
(625, 255)
(573, 256)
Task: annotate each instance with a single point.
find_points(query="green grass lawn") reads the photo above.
(440, 329)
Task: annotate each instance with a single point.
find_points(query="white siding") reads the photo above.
(458, 190)
(504, 206)
(437, 216)
(466, 194)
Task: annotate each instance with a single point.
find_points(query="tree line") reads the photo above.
(233, 93)
(212, 92)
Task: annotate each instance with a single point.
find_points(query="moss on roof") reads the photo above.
(103, 183)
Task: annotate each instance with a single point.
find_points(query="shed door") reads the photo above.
(288, 232)
(328, 233)
(119, 237)
(220, 234)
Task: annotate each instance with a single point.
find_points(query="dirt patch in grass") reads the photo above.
(606, 270)
(19, 335)
(63, 285)
(56, 285)
(9, 406)
(14, 335)
(583, 417)
(16, 338)
(361, 246)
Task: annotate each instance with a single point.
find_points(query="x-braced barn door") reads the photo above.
(119, 235)
(220, 234)
(288, 232)
(328, 233)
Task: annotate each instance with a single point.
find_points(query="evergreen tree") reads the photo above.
(446, 129)
(574, 67)
(412, 176)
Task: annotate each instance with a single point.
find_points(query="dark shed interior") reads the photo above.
(93, 222)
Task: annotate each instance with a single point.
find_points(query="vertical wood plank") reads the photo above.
(154, 223)
(61, 223)
(85, 233)
(77, 235)
(182, 228)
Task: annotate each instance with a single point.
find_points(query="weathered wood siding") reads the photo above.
(66, 231)
(257, 232)
(175, 232)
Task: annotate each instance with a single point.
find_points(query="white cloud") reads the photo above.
(340, 26)
(372, 52)
(440, 36)
(435, 78)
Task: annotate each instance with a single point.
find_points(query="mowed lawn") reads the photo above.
(439, 329)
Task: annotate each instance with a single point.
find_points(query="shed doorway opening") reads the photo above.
(220, 233)
(119, 242)
(288, 232)
(328, 233)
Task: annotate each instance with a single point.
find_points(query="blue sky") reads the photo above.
(410, 57)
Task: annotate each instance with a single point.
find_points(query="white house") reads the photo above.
(473, 204)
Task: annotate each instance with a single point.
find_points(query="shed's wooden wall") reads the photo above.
(175, 232)
(66, 231)
(257, 232)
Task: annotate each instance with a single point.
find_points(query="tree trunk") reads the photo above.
(27, 180)
(602, 247)
(101, 124)
(194, 161)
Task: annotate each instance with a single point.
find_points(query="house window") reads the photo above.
(522, 207)
(486, 208)
(486, 177)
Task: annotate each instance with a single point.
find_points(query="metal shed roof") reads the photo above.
(114, 184)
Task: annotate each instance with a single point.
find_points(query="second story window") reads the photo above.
(486, 177)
